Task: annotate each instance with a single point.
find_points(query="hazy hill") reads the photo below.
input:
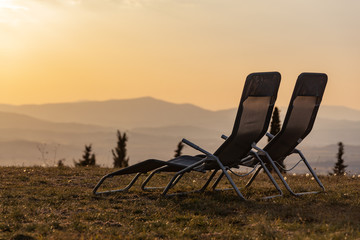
(149, 112)
(125, 114)
(322, 159)
(21, 136)
(20, 121)
(27, 153)
(154, 128)
(327, 131)
(339, 113)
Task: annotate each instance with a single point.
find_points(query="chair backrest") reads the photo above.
(300, 116)
(253, 116)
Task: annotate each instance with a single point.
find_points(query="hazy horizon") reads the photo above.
(163, 100)
(154, 128)
(197, 52)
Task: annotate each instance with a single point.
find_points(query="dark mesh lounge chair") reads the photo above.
(298, 122)
(252, 120)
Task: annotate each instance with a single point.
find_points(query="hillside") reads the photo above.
(127, 114)
(57, 203)
(9, 120)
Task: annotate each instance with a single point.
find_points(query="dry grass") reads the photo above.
(57, 203)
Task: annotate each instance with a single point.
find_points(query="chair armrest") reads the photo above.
(295, 151)
(187, 142)
(224, 137)
(270, 135)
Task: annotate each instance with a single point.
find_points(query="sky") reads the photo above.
(181, 51)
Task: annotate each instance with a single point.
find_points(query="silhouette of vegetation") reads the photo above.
(339, 168)
(179, 149)
(60, 163)
(275, 127)
(119, 153)
(45, 151)
(42, 147)
(88, 158)
(275, 124)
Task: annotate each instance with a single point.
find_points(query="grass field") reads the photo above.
(57, 203)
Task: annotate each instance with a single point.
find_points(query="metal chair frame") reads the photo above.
(224, 172)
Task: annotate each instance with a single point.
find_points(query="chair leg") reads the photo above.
(269, 175)
(254, 154)
(175, 179)
(116, 190)
(253, 177)
(208, 181)
(217, 181)
(222, 174)
(247, 184)
(178, 178)
(230, 180)
(284, 181)
(311, 170)
(146, 181)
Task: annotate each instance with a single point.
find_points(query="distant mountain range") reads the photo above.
(154, 128)
(125, 114)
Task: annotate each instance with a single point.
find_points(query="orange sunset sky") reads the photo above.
(180, 51)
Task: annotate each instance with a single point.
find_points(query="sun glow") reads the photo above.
(11, 12)
(9, 4)
(172, 48)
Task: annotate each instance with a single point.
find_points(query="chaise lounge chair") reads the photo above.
(298, 122)
(252, 120)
